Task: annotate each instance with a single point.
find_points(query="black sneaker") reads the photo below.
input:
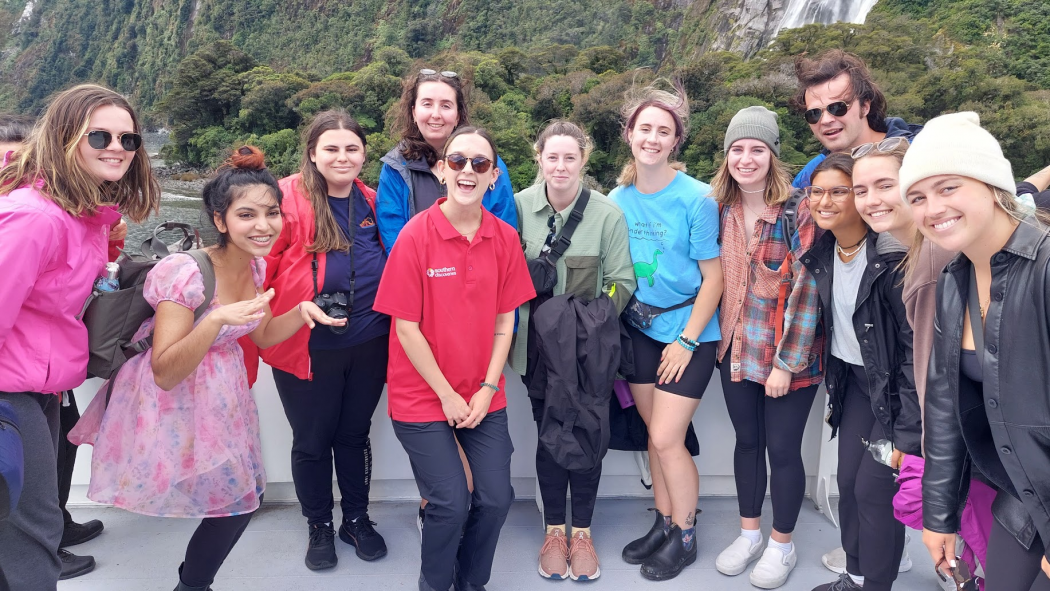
(845, 583)
(360, 534)
(73, 565)
(77, 533)
(320, 553)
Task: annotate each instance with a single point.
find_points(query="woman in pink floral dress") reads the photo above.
(180, 436)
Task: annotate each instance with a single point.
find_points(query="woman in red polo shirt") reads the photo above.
(452, 283)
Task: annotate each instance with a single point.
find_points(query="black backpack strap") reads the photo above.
(565, 237)
(789, 216)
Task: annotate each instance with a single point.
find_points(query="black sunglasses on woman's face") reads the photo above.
(478, 164)
(100, 140)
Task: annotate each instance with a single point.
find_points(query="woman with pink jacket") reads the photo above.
(82, 167)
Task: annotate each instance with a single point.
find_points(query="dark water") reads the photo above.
(175, 206)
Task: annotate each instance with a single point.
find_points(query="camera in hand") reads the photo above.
(335, 306)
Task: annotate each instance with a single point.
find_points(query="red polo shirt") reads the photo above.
(454, 289)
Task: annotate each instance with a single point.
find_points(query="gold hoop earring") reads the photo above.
(492, 187)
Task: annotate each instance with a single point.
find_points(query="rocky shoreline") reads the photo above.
(181, 179)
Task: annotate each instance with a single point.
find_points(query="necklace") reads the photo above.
(762, 190)
(856, 248)
(757, 213)
(983, 306)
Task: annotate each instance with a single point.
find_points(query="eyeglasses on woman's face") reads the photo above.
(838, 194)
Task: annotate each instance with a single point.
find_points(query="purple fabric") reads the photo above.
(975, 524)
(623, 393)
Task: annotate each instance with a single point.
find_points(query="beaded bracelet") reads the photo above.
(488, 385)
(686, 343)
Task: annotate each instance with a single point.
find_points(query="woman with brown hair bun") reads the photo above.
(330, 380)
(81, 168)
(180, 435)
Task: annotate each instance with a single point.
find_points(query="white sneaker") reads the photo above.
(773, 568)
(734, 559)
(835, 561)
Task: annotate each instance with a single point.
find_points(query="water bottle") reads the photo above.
(109, 281)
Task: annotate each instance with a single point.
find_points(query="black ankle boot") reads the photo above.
(184, 587)
(637, 551)
(669, 559)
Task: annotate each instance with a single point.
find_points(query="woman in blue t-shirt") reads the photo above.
(673, 229)
(330, 380)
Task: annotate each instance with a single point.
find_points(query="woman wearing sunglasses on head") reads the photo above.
(445, 375)
(771, 342)
(986, 402)
(433, 105)
(597, 261)
(868, 376)
(330, 378)
(673, 229)
(80, 169)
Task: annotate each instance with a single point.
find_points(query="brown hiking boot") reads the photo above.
(554, 556)
(583, 560)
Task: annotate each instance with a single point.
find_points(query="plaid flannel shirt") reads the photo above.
(752, 287)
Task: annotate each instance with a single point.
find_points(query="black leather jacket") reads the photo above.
(884, 335)
(1015, 414)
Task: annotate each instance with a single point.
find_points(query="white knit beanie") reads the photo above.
(956, 144)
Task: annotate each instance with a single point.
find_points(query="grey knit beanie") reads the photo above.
(956, 144)
(756, 123)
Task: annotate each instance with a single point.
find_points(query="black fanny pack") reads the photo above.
(544, 269)
(641, 315)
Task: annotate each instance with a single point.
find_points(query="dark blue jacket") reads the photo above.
(396, 203)
(896, 127)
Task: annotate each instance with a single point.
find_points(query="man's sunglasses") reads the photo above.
(478, 164)
(444, 73)
(838, 109)
(100, 140)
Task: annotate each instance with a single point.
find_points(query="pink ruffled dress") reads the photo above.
(193, 451)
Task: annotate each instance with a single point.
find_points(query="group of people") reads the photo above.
(915, 241)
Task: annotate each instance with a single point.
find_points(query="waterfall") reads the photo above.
(805, 12)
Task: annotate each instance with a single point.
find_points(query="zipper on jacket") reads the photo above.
(5, 422)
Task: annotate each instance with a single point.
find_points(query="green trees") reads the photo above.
(527, 67)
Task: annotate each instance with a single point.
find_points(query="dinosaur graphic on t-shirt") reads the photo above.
(647, 270)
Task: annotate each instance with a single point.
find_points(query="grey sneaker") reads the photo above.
(835, 561)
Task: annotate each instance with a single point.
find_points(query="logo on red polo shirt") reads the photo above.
(441, 272)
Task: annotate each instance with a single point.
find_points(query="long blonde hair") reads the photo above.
(50, 156)
(674, 103)
(778, 183)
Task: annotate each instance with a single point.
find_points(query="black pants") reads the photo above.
(555, 482)
(67, 452)
(872, 538)
(773, 425)
(1012, 568)
(210, 545)
(333, 413)
(452, 510)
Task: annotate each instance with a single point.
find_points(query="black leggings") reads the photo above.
(1012, 568)
(555, 482)
(67, 452)
(872, 538)
(210, 545)
(332, 415)
(773, 425)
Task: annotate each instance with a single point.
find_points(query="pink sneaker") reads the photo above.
(554, 556)
(583, 560)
